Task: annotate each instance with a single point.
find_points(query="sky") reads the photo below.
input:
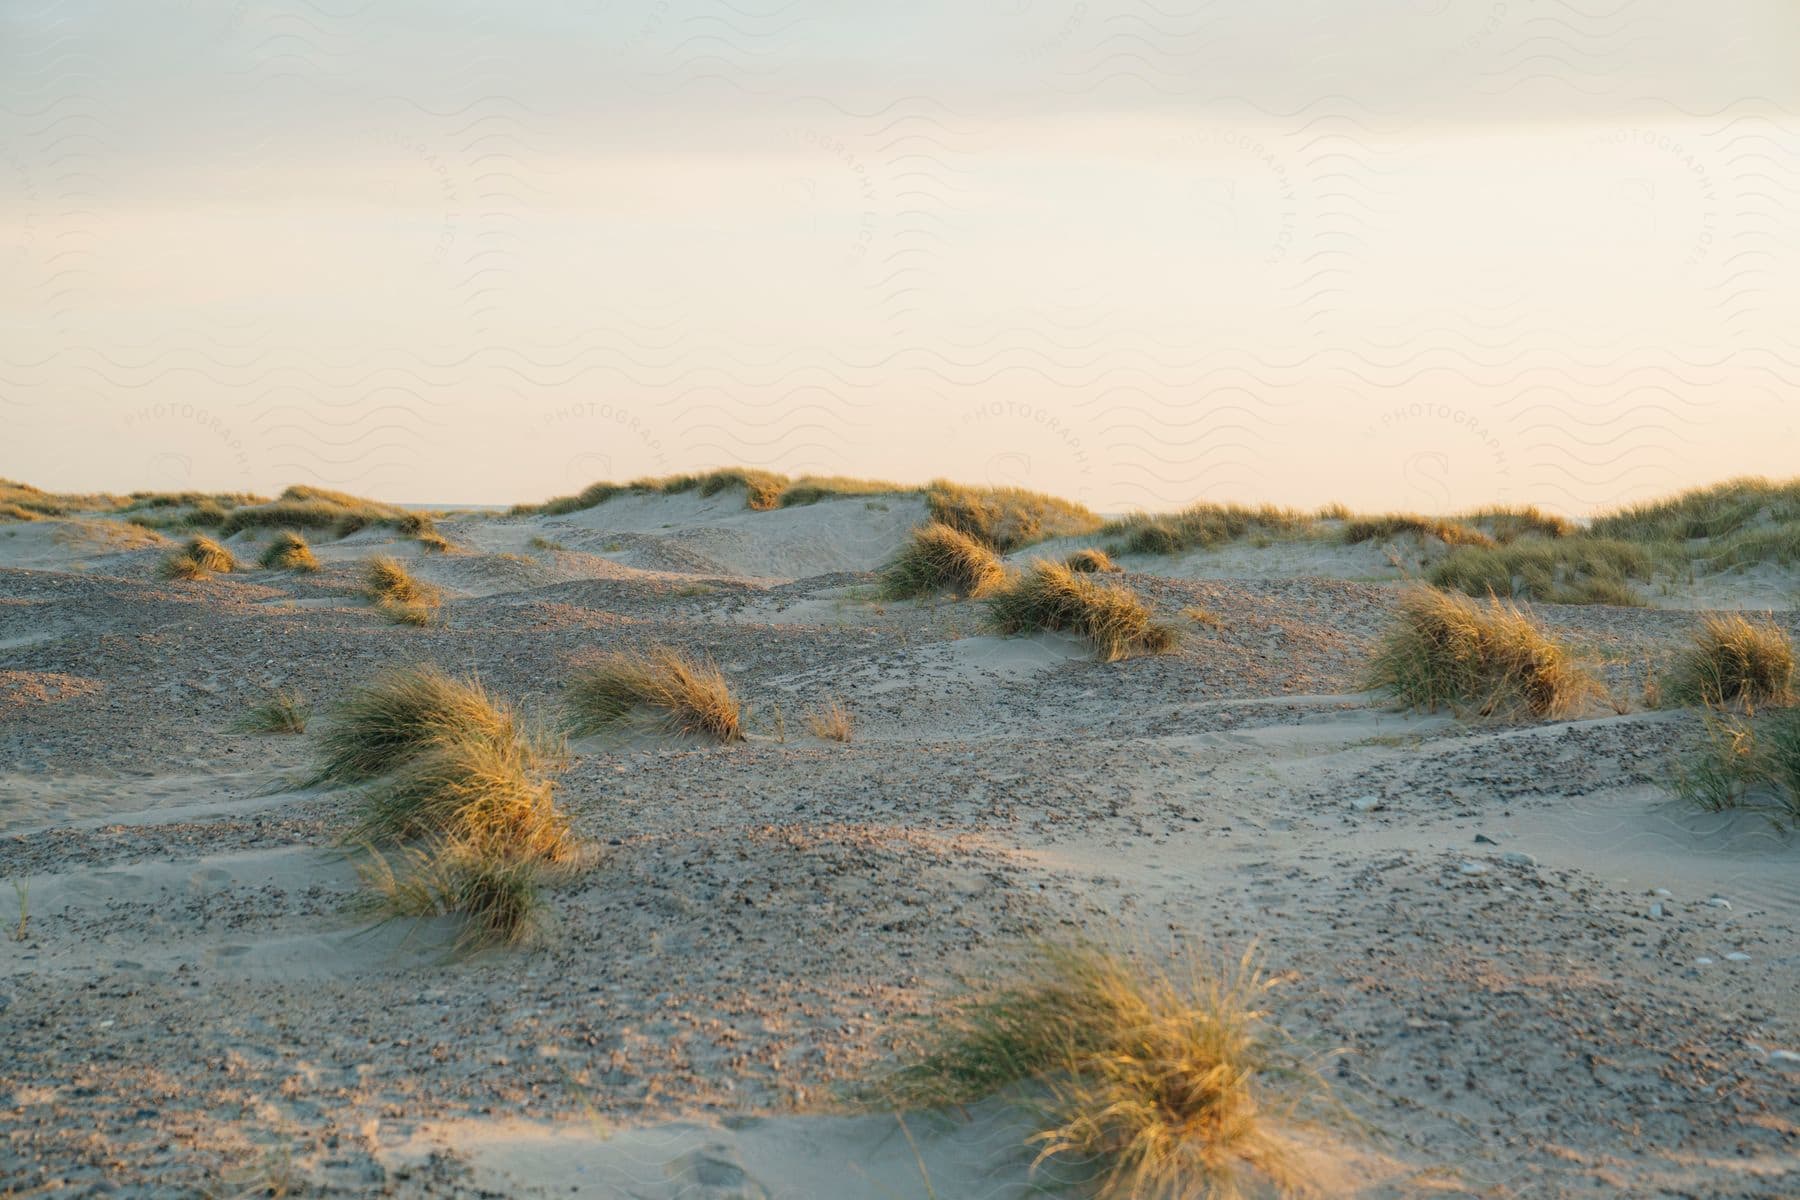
(1419, 254)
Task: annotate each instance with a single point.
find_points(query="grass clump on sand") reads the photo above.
(283, 712)
(939, 558)
(1114, 619)
(288, 551)
(1734, 661)
(401, 597)
(1744, 760)
(1092, 561)
(688, 697)
(831, 721)
(1391, 525)
(339, 513)
(1006, 517)
(1488, 659)
(1571, 570)
(1203, 525)
(461, 788)
(199, 559)
(1165, 1084)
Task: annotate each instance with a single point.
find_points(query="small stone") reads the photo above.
(1786, 1060)
(1483, 839)
(1737, 956)
(1473, 868)
(1662, 892)
(1516, 858)
(1703, 962)
(1718, 902)
(1656, 910)
(1366, 803)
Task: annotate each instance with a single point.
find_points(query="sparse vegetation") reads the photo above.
(288, 551)
(433, 542)
(284, 711)
(1486, 659)
(470, 791)
(831, 721)
(938, 558)
(1006, 518)
(543, 543)
(401, 713)
(1202, 525)
(685, 696)
(1092, 561)
(1114, 619)
(1172, 1085)
(401, 597)
(1203, 616)
(1571, 570)
(199, 559)
(1744, 760)
(1388, 526)
(495, 894)
(1734, 661)
(302, 507)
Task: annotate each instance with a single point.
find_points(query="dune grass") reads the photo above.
(495, 895)
(939, 558)
(1387, 526)
(1113, 618)
(199, 559)
(1568, 570)
(1168, 1084)
(1006, 518)
(1744, 761)
(285, 711)
(383, 723)
(1733, 660)
(321, 509)
(402, 598)
(1200, 526)
(288, 551)
(470, 791)
(1487, 659)
(1716, 511)
(831, 721)
(686, 697)
(1092, 561)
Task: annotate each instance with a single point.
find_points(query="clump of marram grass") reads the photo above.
(284, 711)
(432, 542)
(402, 712)
(1734, 661)
(1092, 561)
(683, 696)
(471, 790)
(1391, 525)
(200, 558)
(1487, 659)
(939, 558)
(1204, 525)
(401, 597)
(1159, 1084)
(1744, 760)
(831, 721)
(1006, 518)
(1114, 619)
(495, 894)
(1568, 570)
(288, 551)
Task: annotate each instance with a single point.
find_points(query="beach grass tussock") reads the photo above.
(199, 559)
(939, 558)
(284, 711)
(1487, 659)
(1200, 526)
(288, 551)
(831, 721)
(1388, 526)
(1113, 618)
(1744, 760)
(496, 895)
(684, 696)
(1006, 518)
(470, 790)
(1569, 570)
(400, 596)
(1092, 561)
(1169, 1084)
(401, 712)
(1733, 660)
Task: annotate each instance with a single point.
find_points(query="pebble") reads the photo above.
(1656, 910)
(1516, 858)
(1662, 892)
(1483, 839)
(1473, 868)
(1703, 962)
(1366, 803)
(1786, 1060)
(1737, 956)
(1718, 902)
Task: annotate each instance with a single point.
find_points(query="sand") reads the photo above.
(199, 1005)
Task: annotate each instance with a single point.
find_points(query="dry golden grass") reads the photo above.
(400, 596)
(288, 551)
(1165, 1085)
(685, 696)
(402, 712)
(1114, 619)
(1092, 561)
(1486, 659)
(471, 790)
(1734, 661)
(831, 721)
(200, 558)
(495, 894)
(283, 712)
(937, 558)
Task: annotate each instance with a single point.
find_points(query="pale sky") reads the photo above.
(1408, 253)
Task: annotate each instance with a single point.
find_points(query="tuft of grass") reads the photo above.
(1203, 616)
(831, 721)
(432, 542)
(200, 558)
(288, 551)
(1509, 523)
(939, 558)
(1734, 661)
(1172, 1084)
(1391, 525)
(1717, 511)
(1006, 518)
(1092, 561)
(401, 597)
(401, 713)
(1114, 619)
(1491, 660)
(471, 790)
(1743, 760)
(1200, 526)
(689, 697)
(495, 894)
(283, 712)
(1572, 570)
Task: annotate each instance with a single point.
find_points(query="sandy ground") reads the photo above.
(1549, 978)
